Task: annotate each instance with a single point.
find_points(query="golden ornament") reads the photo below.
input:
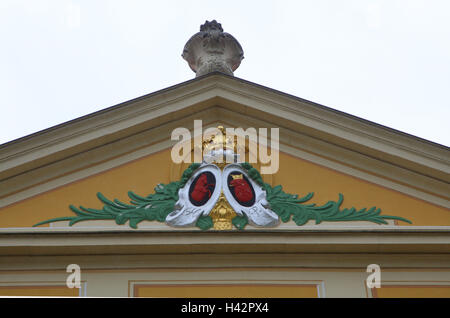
(222, 214)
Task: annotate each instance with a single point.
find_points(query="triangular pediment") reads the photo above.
(317, 145)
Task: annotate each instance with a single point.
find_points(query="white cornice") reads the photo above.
(386, 240)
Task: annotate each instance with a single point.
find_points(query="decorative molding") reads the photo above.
(70, 242)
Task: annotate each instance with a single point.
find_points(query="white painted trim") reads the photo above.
(321, 290)
(212, 242)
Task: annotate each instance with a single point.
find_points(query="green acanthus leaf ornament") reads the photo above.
(289, 206)
(154, 207)
(197, 192)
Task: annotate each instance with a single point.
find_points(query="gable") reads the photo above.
(127, 147)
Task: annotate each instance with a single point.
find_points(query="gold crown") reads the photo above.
(219, 141)
(237, 176)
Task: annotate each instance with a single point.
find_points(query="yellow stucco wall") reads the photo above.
(411, 291)
(227, 291)
(51, 291)
(297, 176)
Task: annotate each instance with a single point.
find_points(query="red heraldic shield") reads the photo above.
(242, 190)
(202, 189)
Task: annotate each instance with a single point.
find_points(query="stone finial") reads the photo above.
(212, 50)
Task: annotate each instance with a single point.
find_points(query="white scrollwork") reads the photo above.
(258, 214)
(185, 213)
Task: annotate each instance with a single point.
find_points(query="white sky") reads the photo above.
(385, 61)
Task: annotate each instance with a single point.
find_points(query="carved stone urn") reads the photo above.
(212, 50)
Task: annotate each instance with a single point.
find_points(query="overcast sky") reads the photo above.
(385, 61)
